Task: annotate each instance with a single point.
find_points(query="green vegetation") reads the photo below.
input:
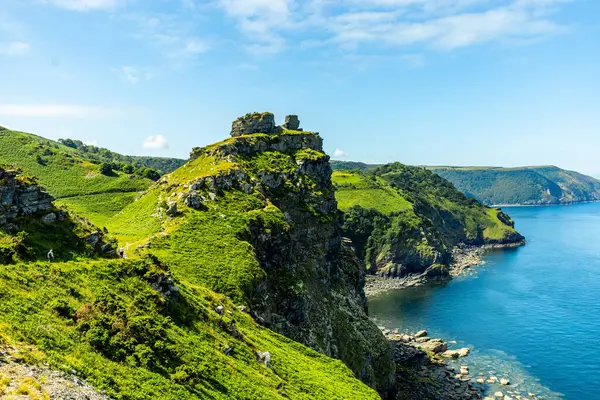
(351, 166)
(527, 185)
(75, 180)
(249, 209)
(99, 154)
(113, 323)
(136, 329)
(61, 169)
(99, 208)
(406, 220)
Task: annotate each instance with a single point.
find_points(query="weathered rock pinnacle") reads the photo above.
(262, 123)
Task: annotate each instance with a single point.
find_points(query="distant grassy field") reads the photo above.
(355, 190)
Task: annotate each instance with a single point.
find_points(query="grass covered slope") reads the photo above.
(255, 218)
(70, 176)
(406, 220)
(126, 328)
(61, 169)
(523, 186)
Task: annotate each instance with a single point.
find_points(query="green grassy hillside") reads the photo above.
(406, 220)
(70, 176)
(526, 185)
(121, 326)
(174, 320)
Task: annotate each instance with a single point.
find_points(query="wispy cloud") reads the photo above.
(133, 75)
(156, 142)
(174, 35)
(55, 110)
(437, 24)
(262, 21)
(14, 49)
(84, 5)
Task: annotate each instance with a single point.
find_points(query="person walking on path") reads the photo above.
(50, 256)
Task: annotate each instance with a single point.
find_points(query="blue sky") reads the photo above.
(454, 82)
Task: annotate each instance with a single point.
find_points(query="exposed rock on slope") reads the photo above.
(19, 196)
(272, 195)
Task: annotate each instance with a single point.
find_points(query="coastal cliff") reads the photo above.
(406, 221)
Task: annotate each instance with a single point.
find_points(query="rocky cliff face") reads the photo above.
(20, 196)
(312, 285)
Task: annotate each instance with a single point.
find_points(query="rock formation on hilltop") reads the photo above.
(262, 123)
(300, 278)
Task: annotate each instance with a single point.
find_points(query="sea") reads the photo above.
(530, 314)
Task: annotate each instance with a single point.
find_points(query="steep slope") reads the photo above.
(73, 179)
(129, 330)
(30, 224)
(406, 220)
(523, 186)
(254, 217)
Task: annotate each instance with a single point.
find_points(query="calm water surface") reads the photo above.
(533, 312)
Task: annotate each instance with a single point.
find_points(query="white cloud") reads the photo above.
(14, 49)
(262, 21)
(174, 35)
(54, 110)
(134, 75)
(517, 21)
(350, 24)
(84, 5)
(339, 153)
(156, 142)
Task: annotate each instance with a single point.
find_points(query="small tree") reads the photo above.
(106, 168)
(150, 174)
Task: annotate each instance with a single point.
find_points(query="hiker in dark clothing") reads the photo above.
(121, 252)
(50, 256)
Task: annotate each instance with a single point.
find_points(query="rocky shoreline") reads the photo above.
(423, 373)
(463, 259)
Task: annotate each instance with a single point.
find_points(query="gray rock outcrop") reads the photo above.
(262, 123)
(292, 123)
(19, 197)
(254, 123)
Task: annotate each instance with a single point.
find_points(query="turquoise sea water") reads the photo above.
(532, 312)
